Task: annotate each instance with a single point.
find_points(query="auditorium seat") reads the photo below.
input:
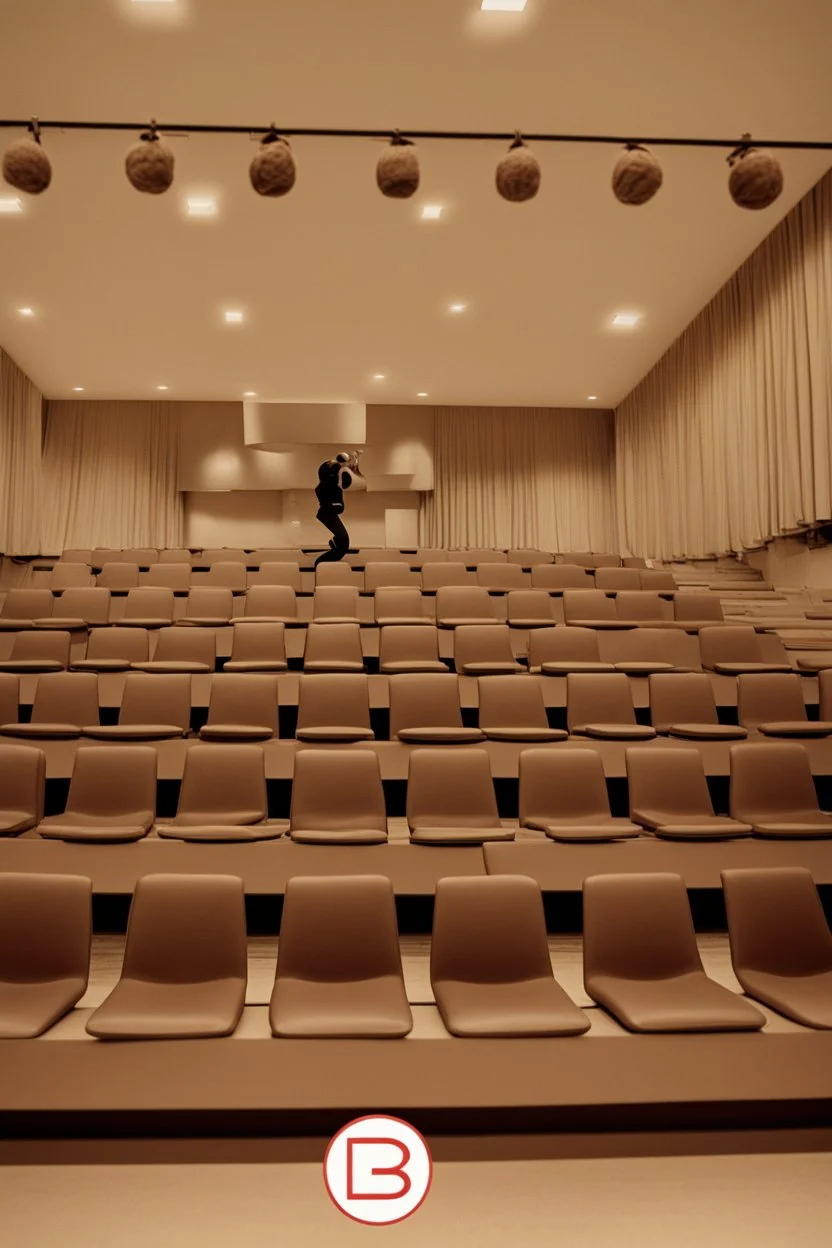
(781, 945)
(601, 705)
(603, 560)
(557, 651)
(557, 577)
(175, 555)
(78, 609)
(241, 708)
(637, 651)
(501, 577)
(272, 554)
(173, 576)
(191, 650)
(75, 556)
(9, 698)
(257, 648)
(772, 703)
(450, 797)
(732, 649)
(112, 796)
(484, 650)
(427, 554)
(514, 710)
(338, 576)
(337, 798)
(400, 606)
(185, 961)
(69, 576)
(113, 650)
(287, 574)
(223, 790)
(335, 604)
(22, 606)
(118, 577)
(103, 555)
(223, 554)
(378, 575)
(208, 606)
(424, 709)
(144, 556)
(476, 555)
(682, 704)
(773, 790)
(529, 608)
(148, 606)
(641, 961)
(464, 604)
(436, 576)
(489, 961)
(45, 936)
(38, 650)
(633, 561)
(339, 967)
(63, 703)
(333, 648)
(152, 709)
(378, 554)
(644, 607)
(564, 794)
(409, 648)
(611, 580)
(694, 611)
(658, 580)
(529, 557)
(591, 608)
(669, 796)
(229, 573)
(333, 707)
(825, 694)
(22, 779)
(576, 558)
(270, 604)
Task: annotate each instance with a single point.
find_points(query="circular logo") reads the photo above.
(378, 1170)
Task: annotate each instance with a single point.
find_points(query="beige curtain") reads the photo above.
(728, 440)
(110, 475)
(521, 477)
(20, 464)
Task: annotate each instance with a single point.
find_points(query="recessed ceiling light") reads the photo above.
(626, 320)
(379, 376)
(249, 394)
(26, 311)
(10, 204)
(233, 316)
(423, 394)
(458, 307)
(431, 212)
(503, 6)
(154, 1)
(162, 387)
(592, 397)
(78, 389)
(201, 206)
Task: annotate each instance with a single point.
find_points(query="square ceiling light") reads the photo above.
(431, 212)
(233, 316)
(626, 320)
(201, 206)
(503, 6)
(10, 204)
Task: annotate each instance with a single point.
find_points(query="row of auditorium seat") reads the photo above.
(416, 558)
(339, 968)
(338, 798)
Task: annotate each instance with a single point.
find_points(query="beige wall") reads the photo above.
(788, 561)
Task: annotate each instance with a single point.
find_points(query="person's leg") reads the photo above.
(340, 543)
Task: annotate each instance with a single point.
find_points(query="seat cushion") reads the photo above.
(289, 621)
(796, 728)
(204, 621)
(526, 734)
(708, 732)
(56, 732)
(13, 822)
(460, 836)
(719, 828)
(563, 667)
(613, 829)
(213, 818)
(453, 622)
(374, 1009)
(69, 623)
(336, 619)
(617, 732)
(738, 669)
(529, 1007)
(384, 621)
(55, 830)
(144, 621)
(235, 732)
(805, 998)
(142, 1010)
(441, 736)
(600, 624)
(339, 836)
(814, 665)
(27, 666)
(170, 665)
(223, 833)
(99, 665)
(256, 665)
(800, 827)
(689, 1002)
(332, 665)
(506, 668)
(643, 667)
(28, 1009)
(413, 665)
(133, 732)
(334, 732)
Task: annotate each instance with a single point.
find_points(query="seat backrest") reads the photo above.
(561, 576)
(427, 554)
(605, 561)
(187, 928)
(563, 645)
(209, 602)
(45, 926)
(489, 930)
(529, 604)
(400, 642)
(9, 698)
(528, 557)
(219, 779)
(175, 555)
(681, 698)
(249, 698)
(641, 604)
(75, 556)
(482, 643)
(670, 781)
(635, 645)
(190, 645)
(335, 601)
(464, 602)
(113, 780)
(728, 643)
(156, 699)
(577, 558)
(506, 702)
(273, 554)
(617, 578)
(333, 642)
(657, 579)
(776, 922)
(69, 575)
(398, 601)
(141, 555)
(633, 561)
(22, 780)
(588, 604)
(277, 573)
(131, 644)
(27, 604)
(763, 697)
(66, 698)
(381, 554)
(825, 694)
(118, 576)
(380, 574)
(252, 642)
(476, 555)
(562, 784)
(229, 573)
(149, 602)
(51, 644)
(333, 699)
(502, 576)
(222, 554)
(172, 576)
(103, 555)
(89, 604)
(638, 926)
(317, 913)
(436, 576)
(693, 606)
(450, 788)
(424, 701)
(338, 574)
(271, 600)
(337, 789)
(598, 698)
(771, 779)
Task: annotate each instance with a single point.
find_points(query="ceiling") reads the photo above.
(338, 283)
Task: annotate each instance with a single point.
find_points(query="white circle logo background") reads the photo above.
(378, 1170)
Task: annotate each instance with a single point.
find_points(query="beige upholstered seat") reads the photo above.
(557, 651)
(104, 555)
(45, 930)
(682, 704)
(22, 606)
(113, 650)
(464, 604)
(669, 795)
(473, 556)
(208, 606)
(639, 651)
(38, 650)
(259, 647)
(694, 610)
(489, 961)
(148, 606)
(338, 576)
(424, 709)
(77, 609)
(773, 790)
(642, 606)
(484, 650)
(528, 557)
(337, 798)
(333, 648)
(112, 795)
(564, 794)
(190, 650)
(223, 793)
(633, 561)
(117, 576)
(287, 574)
(335, 604)
(450, 798)
(436, 576)
(825, 694)
(222, 554)
(781, 945)
(580, 559)
(772, 703)
(173, 576)
(658, 580)
(63, 703)
(641, 962)
(514, 710)
(379, 575)
(175, 555)
(152, 708)
(557, 577)
(22, 779)
(427, 554)
(529, 608)
(409, 648)
(601, 705)
(144, 556)
(229, 573)
(591, 608)
(731, 649)
(9, 698)
(339, 969)
(75, 556)
(501, 577)
(241, 708)
(334, 707)
(611, 580)
(399, 605)
(270, 604)
(185, 961)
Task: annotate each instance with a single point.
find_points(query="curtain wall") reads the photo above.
(521, 477)
(110, 475)
(20, 463)
(728, 440)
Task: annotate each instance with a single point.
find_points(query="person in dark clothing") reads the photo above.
(335, 476)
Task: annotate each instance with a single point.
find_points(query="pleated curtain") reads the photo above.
(20, 461)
